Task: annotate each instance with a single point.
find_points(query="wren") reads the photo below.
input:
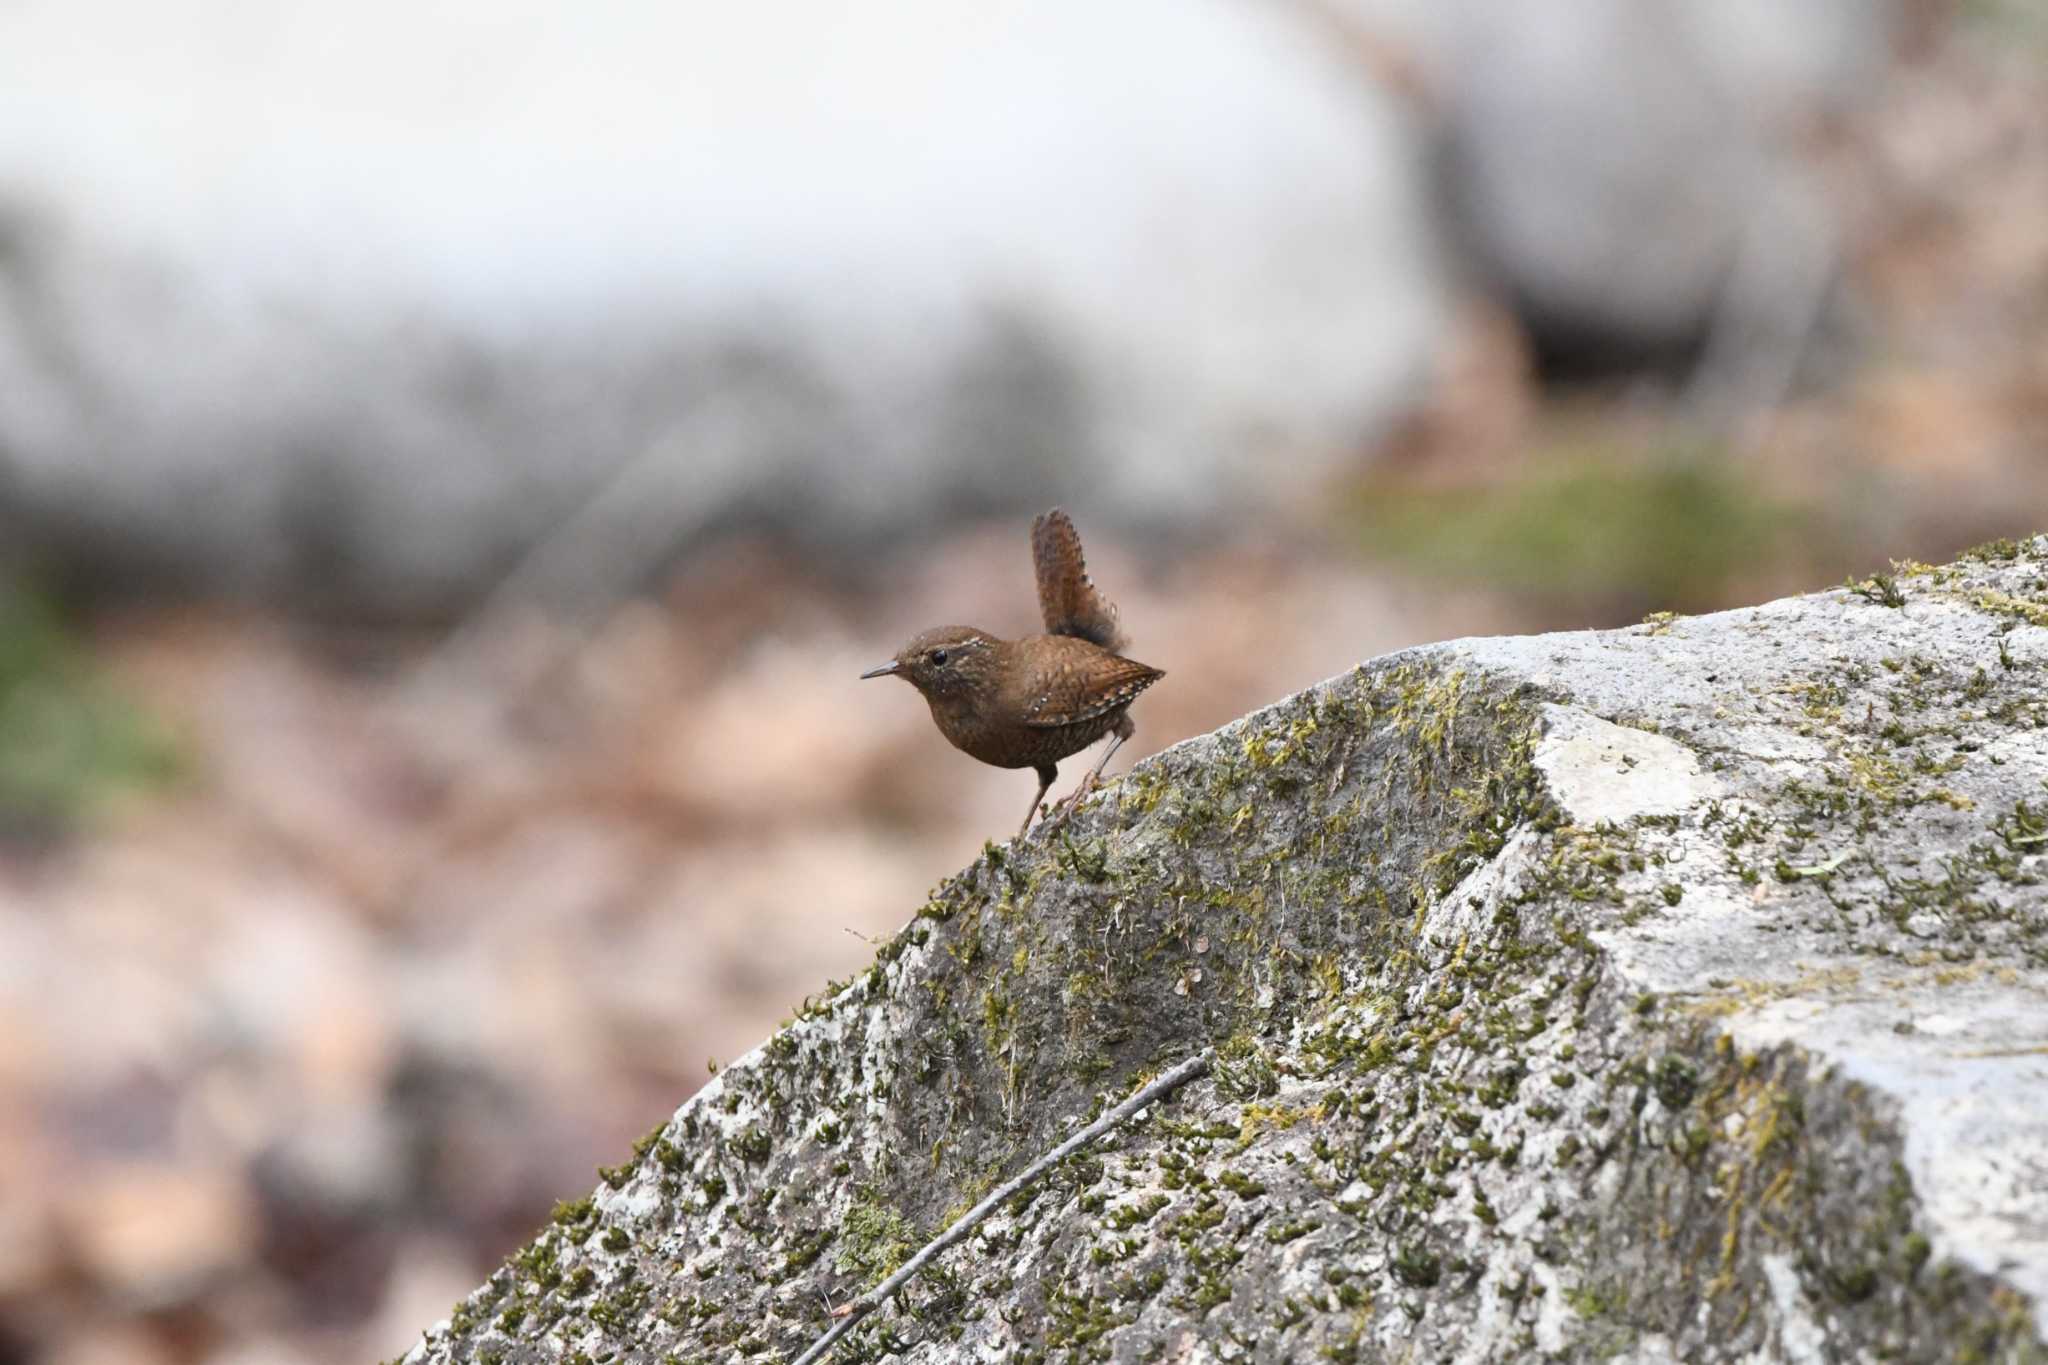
(1030, 703)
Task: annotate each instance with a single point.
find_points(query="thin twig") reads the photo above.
(867, 1303)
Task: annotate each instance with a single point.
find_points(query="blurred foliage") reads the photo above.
(1680, 531)
(2010, 21)
(68, 739)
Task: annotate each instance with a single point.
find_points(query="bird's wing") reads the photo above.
(1071, 603)
(1069, 696)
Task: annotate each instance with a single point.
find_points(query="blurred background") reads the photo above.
(455, 459)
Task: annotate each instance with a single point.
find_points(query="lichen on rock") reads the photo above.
(1673, 992)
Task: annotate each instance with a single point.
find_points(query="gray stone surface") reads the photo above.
(1678, 992)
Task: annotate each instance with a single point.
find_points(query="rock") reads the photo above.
(1671, 992)
(841, 281)
(153, 1232)
(113, 1344)
(1694, 221)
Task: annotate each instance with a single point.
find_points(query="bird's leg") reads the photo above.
(1046, 773)
(1088, 783)
(1123, 731)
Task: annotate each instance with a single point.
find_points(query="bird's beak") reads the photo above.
(884, 671)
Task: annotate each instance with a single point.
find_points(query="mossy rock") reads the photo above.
(1674, 992)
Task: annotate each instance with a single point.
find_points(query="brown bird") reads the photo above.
(1030, 703)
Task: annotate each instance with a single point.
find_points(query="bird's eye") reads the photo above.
(939, 657)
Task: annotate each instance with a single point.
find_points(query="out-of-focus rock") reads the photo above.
(28, 1250)
(114, 1344)
(833, 280)
(1635, 179)
(775, 268)
(1611, 170)
(151, 1232)
(425, 1281)
(680, 961)
(734, 749)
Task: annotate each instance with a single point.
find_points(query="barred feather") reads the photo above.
(1077, 695)
(1069, 600)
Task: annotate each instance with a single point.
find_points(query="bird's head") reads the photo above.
(942, 661)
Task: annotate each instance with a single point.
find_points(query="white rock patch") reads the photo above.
(1601, 771)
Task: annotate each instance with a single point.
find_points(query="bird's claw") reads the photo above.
(1059, 812)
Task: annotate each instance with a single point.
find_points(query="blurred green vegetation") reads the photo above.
(2023, 22)
(69, 740)
(1684, 531)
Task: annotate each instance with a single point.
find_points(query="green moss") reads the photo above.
(615, 1313)
(1283, 1233)
(1241, 1185)
(1881, 588)
(804, 1250)
(1852, 1284)
(1244, 1068)
(1075, 1319)
(874, 1240)
(70, 741)
(540, 1262)
(1594, 1301)
(753, 1144)
(1139, 792)
(2004, 550)
(1676, 1081)
(1417, 1266)
(1131, 1215)
(577, 1218)
(1209, 1291)
(2022, 609)
(1674, 530)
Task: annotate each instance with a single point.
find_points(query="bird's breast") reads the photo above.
(996, 735)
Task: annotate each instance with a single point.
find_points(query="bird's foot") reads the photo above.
(1057, 815)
